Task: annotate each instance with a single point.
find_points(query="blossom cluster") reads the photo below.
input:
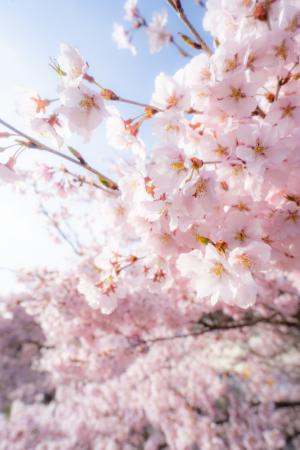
(156, 30)
(180, 330)
(146, 376)
(215, 205)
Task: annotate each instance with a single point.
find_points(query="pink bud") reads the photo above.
(10, 163)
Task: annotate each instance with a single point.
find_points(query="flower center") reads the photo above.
(231, 64)
(217, 269)
(165, 237)
(172, 127)
(172, 101)
(237, 94)
(221, 151)
(259, 149)
(240, 235)
(178, 166)
(205, 74)
(281, 50)
(293, 216)
(41, 104)
(88, 103)
(107, 286)
(293, 25)
(201, 187)
(53, 121)
(287, 111)
(245, 260)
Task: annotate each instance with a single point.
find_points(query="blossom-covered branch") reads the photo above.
(178, 8)
(34, 143)
(156, 30)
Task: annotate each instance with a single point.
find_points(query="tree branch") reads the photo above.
(215, 327)
(34, 143)
(176, 5)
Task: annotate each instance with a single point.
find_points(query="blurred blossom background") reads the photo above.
(30, 34)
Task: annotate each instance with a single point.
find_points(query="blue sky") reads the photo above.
(30, 33)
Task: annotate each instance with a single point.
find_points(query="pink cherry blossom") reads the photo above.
(72, 64)
(83, 109)
(176, 324)
(121, 38)
(170, 92)
(123, 134)
(214, 276)
(157, 32)
(98, 297)
(235, 96)
(260, 148)
(131, 9)
(7, 174)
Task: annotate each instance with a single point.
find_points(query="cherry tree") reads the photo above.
(178, 327)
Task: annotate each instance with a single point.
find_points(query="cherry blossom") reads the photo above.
(121, 38)
(98, 297)
(170, 92)
(7, 173)
(83, 108)
(157, 32)
(72, 64)
(131, 10)
(177, 324)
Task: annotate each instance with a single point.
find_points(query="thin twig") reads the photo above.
(181, 14)
(34, 143)
(144, 105)
(58, 229)
(183, 53)
(213, 328)
(81, 179)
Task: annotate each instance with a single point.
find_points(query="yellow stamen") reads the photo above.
(237, 169)
(88, 103)
(165, 237)
(251, 60)
(259, 150)
(221, 151)
(287, 111)
(201, 187)
(293, 216)
(245, 260)
(281, 50)
(205, 74)
(293, 25)
(172, 101)
(241, 206)
(217, 269)
(171, 127)
(178, 166)
(237, 94)
(231, 64)
(240, 235)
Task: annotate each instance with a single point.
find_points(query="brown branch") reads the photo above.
(213, 328)
(34, 143)
(176, 5)
(81, 179)
(133, 102)
(59, 231)
(182, 52)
